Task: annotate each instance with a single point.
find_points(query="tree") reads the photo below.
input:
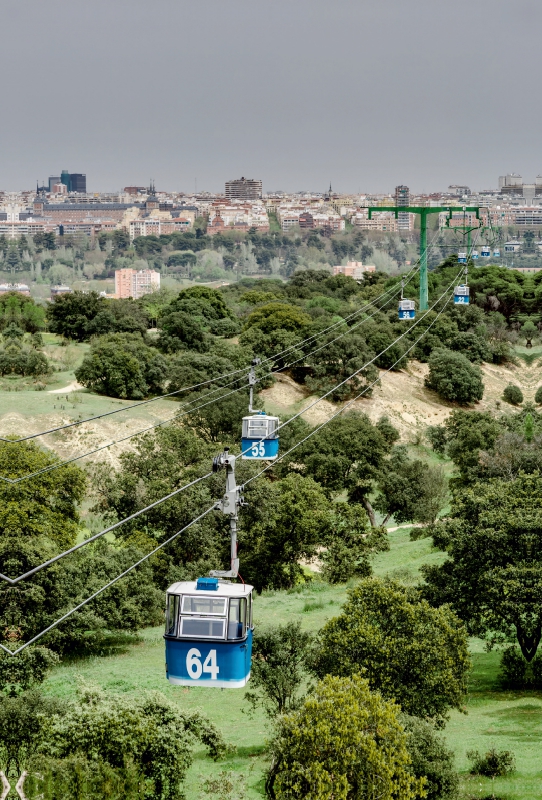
(431, 759)
(217, 421)
(492, 577)
(410, 652)
(285, 521)
(512, 394)
(334, 363)
(538, 396)
(454, 377)
(149, 732)
(466, 434)
(410, 490)
(119, 316)
(529, 330)
(345, 743)
(122, 365)
(69, 314)
(279, 656)
(348, 453)
(350, 544)
(472, 346)
(274, 316)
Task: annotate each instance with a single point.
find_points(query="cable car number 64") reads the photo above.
(195, 668)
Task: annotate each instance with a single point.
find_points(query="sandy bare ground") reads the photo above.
(403, 398)
(71, 387)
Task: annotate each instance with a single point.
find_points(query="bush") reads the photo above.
(430, 758)
(343, 737)
(436, 435)
(279, 655)
(493, 764)
(122, 365)
(513, 395)
(538, 396)
(410, 652)
(454, 377)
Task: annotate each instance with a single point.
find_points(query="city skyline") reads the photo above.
(365, 95)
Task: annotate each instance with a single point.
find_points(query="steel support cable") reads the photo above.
(214, 506)
(368, 363)
(49, 562)
(210, 380)
(104, 588)
(15, 581)
(51, 467)
(343, 408)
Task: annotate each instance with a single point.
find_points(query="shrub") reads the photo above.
(538, 396)
(493, 764)
(278, 667)
(454, 377)
(430, 758)
(122, 365)
(410, 652)
(436, 435)
(343, 737)
(513, 395)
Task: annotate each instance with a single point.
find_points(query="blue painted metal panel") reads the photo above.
(219, 664)
(256, 449)
(461, 300)
(406, 314)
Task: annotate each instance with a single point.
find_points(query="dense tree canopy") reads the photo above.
(410, 652)
(492, 577)
(122, 365)
(344, 742)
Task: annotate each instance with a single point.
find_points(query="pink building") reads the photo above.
(136, 282)
(354, 269)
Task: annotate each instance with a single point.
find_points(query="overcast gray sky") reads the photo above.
(364, 93)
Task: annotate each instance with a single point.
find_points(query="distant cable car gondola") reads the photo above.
(485, 252)
(462, 293)
(259, 439)
(497, 253)
(407, 308)
(474, 255)
(461, 258)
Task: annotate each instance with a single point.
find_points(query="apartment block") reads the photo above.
(244, 189)
(136, 282)
(354, 269)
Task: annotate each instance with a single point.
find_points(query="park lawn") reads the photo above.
(505, 720)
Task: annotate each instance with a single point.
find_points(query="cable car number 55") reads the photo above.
(195, 668)
(258, 449)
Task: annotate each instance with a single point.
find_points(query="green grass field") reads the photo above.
(506, 720)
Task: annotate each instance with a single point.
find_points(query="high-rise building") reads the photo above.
(73, 181)
(402, 198)
(136, 282)
(244, 189)
(78, 182)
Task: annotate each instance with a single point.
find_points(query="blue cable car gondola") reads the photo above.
(496, 253)
(260, 439)
(475, 255)
(259, 436)
(209, 633)
(461, 258)
(407, 309)
(461, 295)
(485, 252)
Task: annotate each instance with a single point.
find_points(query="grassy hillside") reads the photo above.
(509, 720)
